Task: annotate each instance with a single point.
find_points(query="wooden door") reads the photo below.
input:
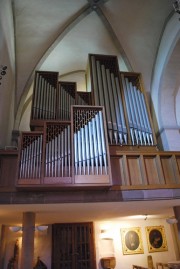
(73, 246)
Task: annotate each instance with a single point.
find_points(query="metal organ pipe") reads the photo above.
(107, 104)
(91, 146)
(36, 95)
(58, 151)
(31, 157)
(94, 74)
(65, 100)
(90, 157)
(141, 124)
(107, 94)
(121, 111)
(103, 141)
(140, 129)
(44, 99)
(87, 145)
(118, 111)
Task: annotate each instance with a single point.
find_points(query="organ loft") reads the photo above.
(100, 138)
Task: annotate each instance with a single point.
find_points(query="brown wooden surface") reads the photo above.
(73, 246)
(130, 170)
(92, 179)
(8, 166)
(140, 169)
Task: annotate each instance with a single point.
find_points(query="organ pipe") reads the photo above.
(127, 118)
(138, 119)
(66, 98)
(31, 156)
(105, 85)
(44, 95)
(90, 148)
(58, 150)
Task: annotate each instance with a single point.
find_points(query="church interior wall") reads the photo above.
(110, 246)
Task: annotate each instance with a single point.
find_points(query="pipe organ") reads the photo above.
(58, 155)
(71, 130)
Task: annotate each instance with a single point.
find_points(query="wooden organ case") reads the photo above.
(67, 146)
(77, 138)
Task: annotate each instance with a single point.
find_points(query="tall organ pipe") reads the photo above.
(90, 157)
(106, 94)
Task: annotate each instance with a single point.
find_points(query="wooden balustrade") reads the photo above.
(141, 170)
(130, 170)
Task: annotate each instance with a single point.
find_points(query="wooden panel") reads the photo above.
(151, 170)
(84, 246)
(62, 247)
(8, 166)
(117, 169)
(168, 171)
(92, 179)
(134, 170)
(177, 158)
(73, 246)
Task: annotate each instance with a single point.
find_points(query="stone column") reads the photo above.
(27, 253)
(2, 245)
(177, 216)
(176, 230)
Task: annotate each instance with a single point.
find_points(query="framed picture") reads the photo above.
(132, 240)
(156, 238)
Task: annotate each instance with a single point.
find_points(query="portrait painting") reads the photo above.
(131, 241)
(156, 238)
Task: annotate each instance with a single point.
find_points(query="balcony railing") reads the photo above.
(141, 170)
(130, 171)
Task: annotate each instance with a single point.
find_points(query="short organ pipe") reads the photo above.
(31, 156)
(58, 150)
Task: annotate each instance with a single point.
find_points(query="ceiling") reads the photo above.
(69, 212)
(58, 35)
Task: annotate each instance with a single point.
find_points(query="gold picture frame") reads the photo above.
(132, 241)
(156, 238)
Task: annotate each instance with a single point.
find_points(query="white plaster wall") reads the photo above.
(11, 238)
(42, 243)
(42, 246)
(171, 139)
(177, 107)
(104, 248)
(126, 261)
(7, 82)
